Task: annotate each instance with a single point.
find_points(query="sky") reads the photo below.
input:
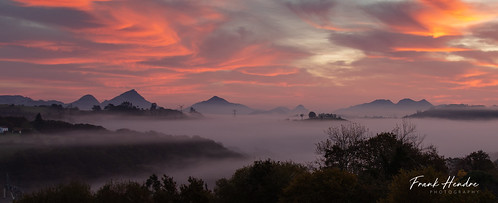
(262, 53)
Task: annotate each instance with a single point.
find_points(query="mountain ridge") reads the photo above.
(26, 101)
(218, 105)
(386, 108)
(86, 102)
(131, 96)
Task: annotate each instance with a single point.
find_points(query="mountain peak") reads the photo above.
(300, 109)
(131, 92)
(382, 101)
(130, 96)
(406, 101)
(86, 102)
(217, 100)
(87, 97)
(218, 105)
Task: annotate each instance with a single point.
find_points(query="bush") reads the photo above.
(263, 181)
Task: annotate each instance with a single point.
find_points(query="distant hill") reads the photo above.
(458, 112)
(218, 105)
(300, 109)
(129, 96)
(26, 101)
(85, 102)
(385, 108)
(276, 111)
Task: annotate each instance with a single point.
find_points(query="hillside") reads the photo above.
(85, 102)
(26, 101)
(385, 108)
(218, 105)
(458, 112)
(65, 152)
(131, 96)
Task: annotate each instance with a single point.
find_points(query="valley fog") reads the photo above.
(262, 137)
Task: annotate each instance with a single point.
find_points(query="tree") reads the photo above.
(163, 191)
(71, 192)
(340, 148)
(312, 115)
(324, 185)
(38, 118)
(263, 181)
(123, 192)
(478, 161)
(96, 108)
(195, 191)
(153, 106)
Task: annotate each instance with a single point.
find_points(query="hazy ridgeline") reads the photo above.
(36, 160)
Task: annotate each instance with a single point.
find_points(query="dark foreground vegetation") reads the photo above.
(353, 167)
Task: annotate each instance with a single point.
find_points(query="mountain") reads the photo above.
(26, 101)
(218, 105)
(300, 109)
(279, 110)
(385, 108)
(85, 103)
(129, 96)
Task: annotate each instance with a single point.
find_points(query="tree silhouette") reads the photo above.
(312, 115)
(96, 108)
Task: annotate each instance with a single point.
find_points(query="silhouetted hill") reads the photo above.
(85, 103)
(64, 151)
(218, 105)
(458, 112)
(26, 101)
(300, 109)
(386, 108)
(129, 96)
(276, 111)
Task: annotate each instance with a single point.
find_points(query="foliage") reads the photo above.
(195, 191)
(122, 192)
(339, 148)
(164, 190)
(263, 181)
(74, 191)
(325, 185)
(381, 156)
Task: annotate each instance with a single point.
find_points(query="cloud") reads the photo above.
(276, 49)
(434, 18)
(63, 17)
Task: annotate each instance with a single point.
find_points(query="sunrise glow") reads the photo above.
(290, 51)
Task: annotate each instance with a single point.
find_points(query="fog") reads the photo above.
(277, 138)
(261, 137)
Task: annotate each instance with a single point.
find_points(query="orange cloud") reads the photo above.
(83, 4)
(430, 49)
(444, 17)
